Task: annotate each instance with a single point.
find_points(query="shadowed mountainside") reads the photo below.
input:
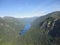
(42, 31)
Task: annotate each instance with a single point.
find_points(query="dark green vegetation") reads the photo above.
(45, 30)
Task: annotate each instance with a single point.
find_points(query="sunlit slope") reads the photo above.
(9, 30)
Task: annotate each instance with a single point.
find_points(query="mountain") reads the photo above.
(45, 30)
(9, 30)
(55, 14)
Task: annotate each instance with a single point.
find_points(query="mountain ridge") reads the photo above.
(39, 33)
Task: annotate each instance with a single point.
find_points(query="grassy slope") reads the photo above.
(9, 30)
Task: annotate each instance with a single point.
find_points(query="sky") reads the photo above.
(28, 8)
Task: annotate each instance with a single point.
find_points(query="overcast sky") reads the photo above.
(28, 8)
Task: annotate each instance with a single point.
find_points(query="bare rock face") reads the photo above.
(52, 26)
(55, 33)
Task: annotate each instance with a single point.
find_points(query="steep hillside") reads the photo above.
(55, 14)
(43, 30)
(9, 30)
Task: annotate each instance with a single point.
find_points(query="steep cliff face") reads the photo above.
(52, 26)
(54, 33)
